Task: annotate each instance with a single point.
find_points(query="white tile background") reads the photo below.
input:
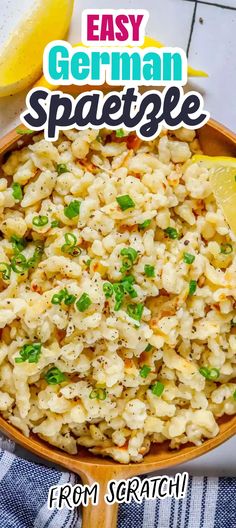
(207, 29)
(213, 45)
(226, 3)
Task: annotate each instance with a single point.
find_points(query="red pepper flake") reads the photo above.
(133, 142)
(216, 307)
(130, 228)
(116, 139)
(201, 281)
(125, 446)
(36, 288)
(137, 175)
(109, 138)
(61, 334)
(163, 292)
(87, 164)
(144, 357)
(128, 363)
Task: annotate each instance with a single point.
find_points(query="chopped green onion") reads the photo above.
(120, 133)
(69, 299)
(57, 298)
(17, 191)
(54, 376)
(171, 232)
(118, 303)
(125, 286)
(33, 261)
(157, 389)
(129, 252)
(40, 221)
(128, 278)
(119, 295)
(209, 373)
(118, 289)
(125, 202)
(23, 132)
(63, 295)
(61, 168)
(73, 209)
(83, 303)
(55, 223)
(192, 287)
(144, 371)
(226, 249)
(128, 288)
(188, 258)
(108, 289)
(148, 348)
(234, 395)
(145, 224)
(29, 352)
(18, 243)
(127, 264)
(76, 251)
(19, 263)
(98, 394)
(149, 270)
(130, 256)
(70, 243)
(135, 311)
(5, 270)
(88, 262)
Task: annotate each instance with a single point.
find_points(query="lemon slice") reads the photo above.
(151, 42)
(223, 182)
(21, 56)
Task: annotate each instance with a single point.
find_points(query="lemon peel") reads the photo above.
(21, 56)
(223, 183)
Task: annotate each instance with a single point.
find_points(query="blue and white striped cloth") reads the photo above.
(24, 485)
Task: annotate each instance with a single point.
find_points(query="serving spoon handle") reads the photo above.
(101, 515)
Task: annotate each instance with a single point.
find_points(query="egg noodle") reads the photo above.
(117, 293)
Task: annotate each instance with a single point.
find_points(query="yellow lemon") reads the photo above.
(223, 182)
(151, 42)
(21, 56)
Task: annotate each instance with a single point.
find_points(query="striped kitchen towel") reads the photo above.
(24, 485)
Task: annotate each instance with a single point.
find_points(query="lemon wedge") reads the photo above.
(223, 182)
(148, 42)
(151, 42)
(21, 56)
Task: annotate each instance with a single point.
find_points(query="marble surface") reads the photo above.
(207, 30)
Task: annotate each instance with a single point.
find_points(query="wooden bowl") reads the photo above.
(215, 140)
